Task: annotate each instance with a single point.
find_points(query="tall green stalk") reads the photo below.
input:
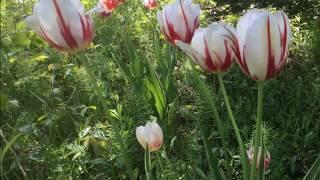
(147, 163)
(244, 158)
(99, 91)
(201, 88)
(258, 134)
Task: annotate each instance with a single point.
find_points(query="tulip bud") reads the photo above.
(150, 4)
(178, 21)
(150, 134)
(263, 40)
(63, 24)
(212, 47)
(267, 157)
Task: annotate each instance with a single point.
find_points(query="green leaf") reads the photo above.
(314, 171)
(3, 101)
(7, 147)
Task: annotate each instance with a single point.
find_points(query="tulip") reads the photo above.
(212, 47)
(150, 4)
(150, 134)
(63, 24)
(263, 40)
(109, 5)
(267, 157)
(178, 21)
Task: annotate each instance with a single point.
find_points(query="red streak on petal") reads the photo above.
(271, 59)
(51, 42)
(172, 36)
(64, 28)
(283, 41)
(86, 28)
(189, 33)
(236, 51)
(208, 60)
(228, 58)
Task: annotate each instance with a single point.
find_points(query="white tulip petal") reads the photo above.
(141, 136)
(32, 23)
(194, 55)
(179, 20)
(157, 129)
(257, 48)
(245, 22)
(46, 15)
(284, 25)
(174, 16)
(72, 12)
(150, 134)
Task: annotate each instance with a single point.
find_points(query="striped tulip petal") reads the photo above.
(212, 48)
(178, 21)
(150, 4)
(263, 40)
(63, 24)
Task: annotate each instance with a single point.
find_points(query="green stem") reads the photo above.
(224, 142)
(258, 135)
(99, 92)
(244, 158)
(216, 117)
(147, 163)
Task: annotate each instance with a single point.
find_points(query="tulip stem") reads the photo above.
(99, 92)
(244, 158)
(258, 134)
(147, 162)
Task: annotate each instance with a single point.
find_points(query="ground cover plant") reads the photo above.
(167, 89)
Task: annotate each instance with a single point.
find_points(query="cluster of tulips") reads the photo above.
(259, 44)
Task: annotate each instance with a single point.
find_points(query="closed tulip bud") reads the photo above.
(178, 21)
(263, 40)
(150, 4)
(63, 24)
(267, 157)
(150, 134)
(212, 47)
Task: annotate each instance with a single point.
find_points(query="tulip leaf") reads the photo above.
(314, 171)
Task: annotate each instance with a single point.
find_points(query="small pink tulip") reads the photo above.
(263, 40)
(150, 134)
(150, 4)
(63, 24)
(212, 47)
(178, 21)
(267, 157)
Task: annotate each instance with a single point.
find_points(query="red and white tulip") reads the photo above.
(150, 134)
(179, 20)
(267, 157)
(110, 5)
(263, 40)
(150, 4)
(105, 7)
(63, 24)
(212, 47)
